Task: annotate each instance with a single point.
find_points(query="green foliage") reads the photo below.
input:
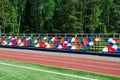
(62, 16)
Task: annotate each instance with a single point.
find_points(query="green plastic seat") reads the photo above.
(83, 48)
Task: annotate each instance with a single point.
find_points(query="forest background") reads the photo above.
(59, 16)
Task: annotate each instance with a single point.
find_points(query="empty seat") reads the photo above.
(118, 50)
(105, 49)
(112, 50)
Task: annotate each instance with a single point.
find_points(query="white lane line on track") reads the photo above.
(46, 71)
(94, 66)
(43, 56)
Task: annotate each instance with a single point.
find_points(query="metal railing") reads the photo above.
(91, 35)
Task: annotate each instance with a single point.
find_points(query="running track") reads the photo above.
(83, 64)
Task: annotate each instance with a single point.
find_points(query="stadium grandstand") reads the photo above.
(96, 43)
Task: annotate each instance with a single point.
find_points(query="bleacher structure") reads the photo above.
(57, 42)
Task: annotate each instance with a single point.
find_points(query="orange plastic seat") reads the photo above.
(101, 39)
(79, 48)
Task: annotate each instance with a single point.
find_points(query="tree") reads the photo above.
(61, 16)
(105, 7)
(13, 16)
(114, 19)
(4, 15)
(20, 9)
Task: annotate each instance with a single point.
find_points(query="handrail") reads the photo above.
(92, 35)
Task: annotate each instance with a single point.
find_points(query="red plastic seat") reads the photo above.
(116, 39)
(42, 45)
(112, 50)
(108, 46)
(64, 46)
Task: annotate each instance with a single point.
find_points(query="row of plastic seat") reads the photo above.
(73, 43)
(65, 43)
(113, 46)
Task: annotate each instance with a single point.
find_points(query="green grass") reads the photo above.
(15, 73)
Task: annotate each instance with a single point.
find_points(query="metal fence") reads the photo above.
(90, 35)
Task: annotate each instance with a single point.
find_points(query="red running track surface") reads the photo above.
(90, 65)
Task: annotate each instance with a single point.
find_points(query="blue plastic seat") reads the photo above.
(31, 42)
(68, 47)
(118, 50)
(81, 42)
(38, 38)
(56, 46)
(105, 39)
(66, 39)
(111, 44)
(88, 46)
(89, 40)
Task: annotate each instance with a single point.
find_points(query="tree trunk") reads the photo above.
(13, 29)
(19, 24)
(0, 30)
(36, 24)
